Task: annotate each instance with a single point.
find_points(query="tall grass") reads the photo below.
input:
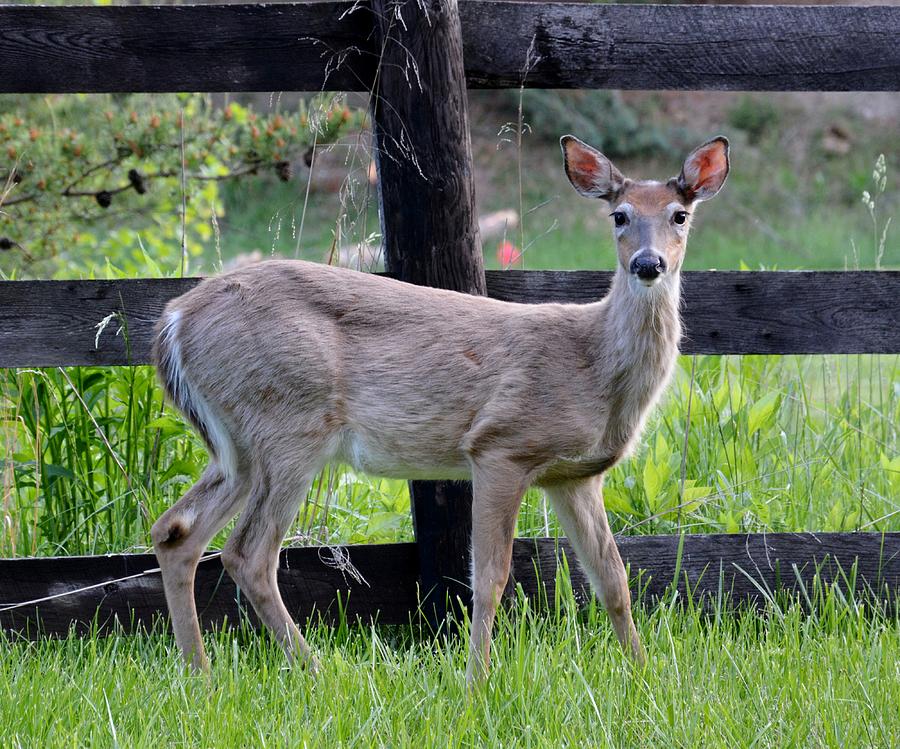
(89, 459)
(791, 678)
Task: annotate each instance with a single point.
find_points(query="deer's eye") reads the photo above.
(679, 217)
(620, 218)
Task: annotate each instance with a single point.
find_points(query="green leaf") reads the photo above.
(618, 501)
(186, 468)
(662, 451)
(763, 411)
(729, 521)
(655, 476)
(167, 425)
(383, 523)
(892, 468)
(728, 399)
(720, 397)
(55, 471)
(834, 516)
(694, 496)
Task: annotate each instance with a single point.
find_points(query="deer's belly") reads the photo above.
(376, 457)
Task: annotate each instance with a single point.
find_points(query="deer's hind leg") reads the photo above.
(579, 507)
(251, 553)
(180, 537)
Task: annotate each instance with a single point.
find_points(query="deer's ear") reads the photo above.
(704, 170)
(589, 171)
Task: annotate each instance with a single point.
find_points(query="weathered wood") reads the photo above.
(741, 568)
(733, 48)
(429, 226)
(51, 323)
(310, 580)
(442, 520)
(302, 47)
(311, 46)
(422, 149)
(762, 312)
(737, 568)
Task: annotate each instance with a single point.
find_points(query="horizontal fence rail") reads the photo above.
(380, 582)
(331, 46)
(54, 323)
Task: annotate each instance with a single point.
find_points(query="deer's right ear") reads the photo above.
(590, 172)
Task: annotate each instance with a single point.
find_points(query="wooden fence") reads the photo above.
(430, 239)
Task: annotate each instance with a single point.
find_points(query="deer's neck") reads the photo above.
(642, 325)
(637, 336)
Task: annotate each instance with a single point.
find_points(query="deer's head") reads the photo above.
(650, 219)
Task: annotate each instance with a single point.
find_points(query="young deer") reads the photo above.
(283, 366)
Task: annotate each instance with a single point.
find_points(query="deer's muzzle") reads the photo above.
(647, 265)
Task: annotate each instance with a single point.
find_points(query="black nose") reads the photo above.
(648, 265)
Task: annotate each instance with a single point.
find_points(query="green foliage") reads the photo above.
(93, 457)
(601, 118)
(90, 458)
(761, 443)
(755, 115)
(86, 180)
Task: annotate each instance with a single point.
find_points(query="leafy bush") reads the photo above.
(88, 180)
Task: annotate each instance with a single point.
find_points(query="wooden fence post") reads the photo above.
(430, 230)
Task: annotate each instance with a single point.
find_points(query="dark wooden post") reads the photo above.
(430, 230)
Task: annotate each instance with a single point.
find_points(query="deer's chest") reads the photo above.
(613, 432)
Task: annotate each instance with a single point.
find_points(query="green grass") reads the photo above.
(92, 458)
(787, 679)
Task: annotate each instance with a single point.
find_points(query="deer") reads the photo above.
(284, 366)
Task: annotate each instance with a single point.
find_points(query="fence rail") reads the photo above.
(53, 323)
(330, 46)
(41, 597)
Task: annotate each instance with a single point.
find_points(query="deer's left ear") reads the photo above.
(704, 170)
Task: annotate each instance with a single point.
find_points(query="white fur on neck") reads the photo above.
(641, 344)
(638, 310)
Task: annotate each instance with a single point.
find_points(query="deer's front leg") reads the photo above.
(579, 507)
(497, 494)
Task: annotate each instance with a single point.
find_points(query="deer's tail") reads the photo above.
(177, 384)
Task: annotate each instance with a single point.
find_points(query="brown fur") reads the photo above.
(288, 365)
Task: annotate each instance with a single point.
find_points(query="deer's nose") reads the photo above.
(648, 265)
